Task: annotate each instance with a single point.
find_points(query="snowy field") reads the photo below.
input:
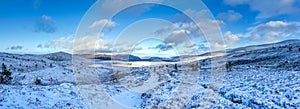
(265, 76)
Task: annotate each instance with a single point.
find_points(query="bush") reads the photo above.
(117, 75)
(5, 75)
(229, 66)
(176, 67)
(195, 66)
(37, 81)
(290, 48)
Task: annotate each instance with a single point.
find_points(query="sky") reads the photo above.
(160, 28)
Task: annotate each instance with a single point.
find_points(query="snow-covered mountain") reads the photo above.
(261, 76)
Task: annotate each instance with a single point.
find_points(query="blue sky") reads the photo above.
(45, 26)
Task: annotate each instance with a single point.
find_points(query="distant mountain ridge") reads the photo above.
(63, 56)
(128, 57)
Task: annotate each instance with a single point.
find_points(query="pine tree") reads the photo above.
(5, 71)
(5, 75)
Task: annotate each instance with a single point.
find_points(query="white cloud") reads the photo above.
(217, 46)
(90, 44)
(85, 44)
(230, 15)
(189, 44)
(177, 37)
(254, 37)
(272, 36)
(58, 42)
(168, 28)
(61, 42)
(269, 8)
(231, 39)
(273, 30)
(182, 33)
(192, 29)
(104, 23)
(17, 47)
(278, 26)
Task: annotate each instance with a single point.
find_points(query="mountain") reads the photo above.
(124, 57)
(262, 46)
(158, 59)
(262, 76)
(120, 57)
(58, 56)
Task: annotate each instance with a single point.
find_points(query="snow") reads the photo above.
(266, 76)
(43, 97)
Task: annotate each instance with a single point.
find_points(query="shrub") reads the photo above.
(5, 75)
(176, 67)
(229, 66)
(37, 81)
(290, 48)
(117, 75)
(195, 66)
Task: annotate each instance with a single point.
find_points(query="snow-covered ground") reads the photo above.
(266, 76)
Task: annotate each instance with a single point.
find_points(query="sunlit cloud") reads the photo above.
(273, 31)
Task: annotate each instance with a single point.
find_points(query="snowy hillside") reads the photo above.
(264, 76)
